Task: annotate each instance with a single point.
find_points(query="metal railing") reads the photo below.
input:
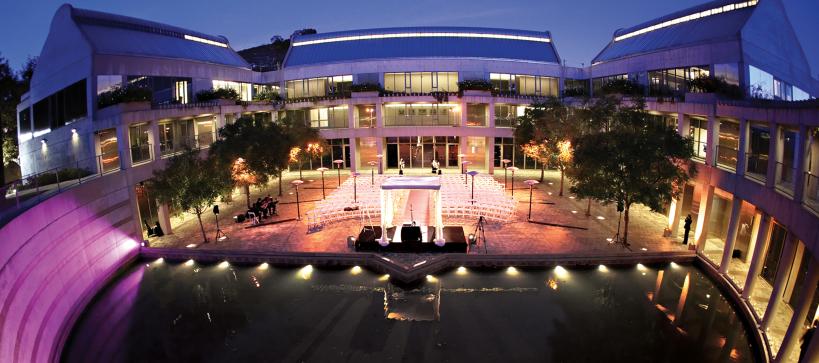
(811, 197)
(505, 121)
(727, 156)
(172, 147)
(700, 150)
(785, 176)
(141, 153)
(166, 106)
(757, 166)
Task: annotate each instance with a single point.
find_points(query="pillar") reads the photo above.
(773, 156)
(379, 115)
(683, 124)
(379, 147)
(742, 150)
(674, 214)
(463, 114)
(490, 155)
(350, 116)
(759, 251)
(782, 273)
(701, 231)
(730, 240)
(153, 139)
(123, 147)
(490, 121)
(353, 154)
(812, 354)
(797, 327)
(712, 139)
(800, 164)
(164, 214)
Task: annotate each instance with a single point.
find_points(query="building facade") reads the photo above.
(386, 96)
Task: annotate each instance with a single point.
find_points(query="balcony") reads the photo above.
(811, 197)
(141, 154)
(785, 177)
(727, 157)
(757, 167)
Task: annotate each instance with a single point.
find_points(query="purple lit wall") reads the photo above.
(54, 258)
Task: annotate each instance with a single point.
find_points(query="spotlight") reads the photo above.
(74, 131)
(224, 264)
(44, 141)
(472, 238)
(431, 278)
(461, 271)
(602, 268)
(264, 266)
(355, 270)
(384, 277)
(306, 272)
(674, 265)
(641, 267)
(561, 272)
(159, 260)
(189, 262)
(511, 270)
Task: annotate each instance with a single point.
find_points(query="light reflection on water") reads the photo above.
(172, 312)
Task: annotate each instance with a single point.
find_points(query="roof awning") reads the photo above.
(412, 182)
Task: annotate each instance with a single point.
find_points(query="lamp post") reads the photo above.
(513, 169)
(380, 163)
(505, 163)
(463, 168)
(461, 157)
(322, 170)
(338, 163)
(372, 172)
(472, 174)
(355, 188)
(531, 183)
(296, 184)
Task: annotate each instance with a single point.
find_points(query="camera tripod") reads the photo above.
(479, 233)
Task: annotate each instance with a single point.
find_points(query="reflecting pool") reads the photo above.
(189, 312)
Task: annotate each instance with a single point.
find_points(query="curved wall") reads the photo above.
(55, 257)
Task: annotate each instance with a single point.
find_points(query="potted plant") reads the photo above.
(129, 97)
(226, 96)
(475, 87)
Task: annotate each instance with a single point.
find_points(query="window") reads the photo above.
(365, 116)
(506, 115)
(476, 114)
(61, 108)
(699, 132)
(421, 82)
(422, 114)
(786, 167)
(524, 84)
(333, 117)
(180, 93)
(319, 87)
(728, 72)
(758, 146)
(24, 124)
(245, 90)
(728, 145)
(108, 159)
(205, 134)
(140, 148)
(761, 83)
(669, 82)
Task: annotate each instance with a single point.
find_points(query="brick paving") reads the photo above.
(517, 237)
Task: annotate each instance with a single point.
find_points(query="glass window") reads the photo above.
(365, 116)
(140, 148)
(699, 133)
(761, 83)
(108, 159)
(421, 114)
(333, 117)
(786, 168)
(205, 134)
(421, 82)
(758, 146)
(728, 145)
(506, 115)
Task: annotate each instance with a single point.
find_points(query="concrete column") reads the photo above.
(730, 239)
(463, 114)
(353, 154)
(491, 113)
(123, 147)
(742, 150)
(770, 177)
(153, 139)
(759, 250)
(164, 214)
(812, 355)
(701, 231)
(220, 123)
(350, 116)
(797, 327)
(800, 163)
(782, 273)
(712, 140)
(379, 115)
(674, 214)
(490, 155)
(683, 124)
(379, 147)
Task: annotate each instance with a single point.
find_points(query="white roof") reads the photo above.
(412, 182)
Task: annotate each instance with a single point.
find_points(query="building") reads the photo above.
(387, 95)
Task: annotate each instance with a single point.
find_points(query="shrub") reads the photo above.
(475, 85)
(267, 95)
(51, 177)
(217, 94)
(366, 87)
(717, 85)
(124, 94)
(574, 92)
(622, 86)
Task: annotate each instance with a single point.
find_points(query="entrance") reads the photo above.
(420, 151)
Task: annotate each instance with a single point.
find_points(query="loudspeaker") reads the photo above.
(411, 234)
(239, 218)
(215, 209)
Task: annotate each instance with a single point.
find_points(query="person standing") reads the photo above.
(687, 228)
(806, 338)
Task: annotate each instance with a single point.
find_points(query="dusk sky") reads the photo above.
(580, 28)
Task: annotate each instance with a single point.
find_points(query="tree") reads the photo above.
(547, 129)
(12, 87)
(633, 161)
(242, 148)
(191, 183)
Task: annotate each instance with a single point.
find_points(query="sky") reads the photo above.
(580, 28)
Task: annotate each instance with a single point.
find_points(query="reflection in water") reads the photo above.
(169, 312)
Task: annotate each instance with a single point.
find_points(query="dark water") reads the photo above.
(163, 312)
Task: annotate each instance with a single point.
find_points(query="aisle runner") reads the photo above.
(418, 200)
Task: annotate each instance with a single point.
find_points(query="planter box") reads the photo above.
(473, 92)
(123, 107)
(701, 97)
(364, 94)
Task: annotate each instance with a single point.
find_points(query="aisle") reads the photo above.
(418, 201)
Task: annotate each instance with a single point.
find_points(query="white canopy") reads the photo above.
(412, 182)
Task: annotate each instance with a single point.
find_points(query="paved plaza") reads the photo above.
(569, 230)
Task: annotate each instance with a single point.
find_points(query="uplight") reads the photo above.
(512, 271)
(602, 268)
(561, 272)
(384, 277)
(189, 262)
(159, 260)
(431, 278)
(355, 270)
(421, 35)
(461, 271)
(641, 267)
(674, 265)
(601, 218)
(224, 265)
(264, 266)
(192, 245)
(306, 272)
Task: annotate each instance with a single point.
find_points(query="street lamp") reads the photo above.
(355, 191)
(531, 183)
(372, 172)
(322, 170)
(513, 169)
(461, 157)
(505, 163)
(338, 163)
(380, 163)
(296, 184)
(472, 174)
(463, 168)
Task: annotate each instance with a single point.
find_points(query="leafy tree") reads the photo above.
(633, 161)
(191, 183)
(247, 140)
(547, 129)
(12, 87)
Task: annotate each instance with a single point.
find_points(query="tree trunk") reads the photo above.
(280, 183)
(247, 195)
(542, 172)
(201, 226)
(625, 225)
(588, 208)
(561, 182)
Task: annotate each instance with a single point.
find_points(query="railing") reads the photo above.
(811, 196)
(700, 150)
(21, 194)
(757, 166)
(505, 121)
(171, 147)
(727, 156)
(141, 153)
(167, 106)
(785, 176)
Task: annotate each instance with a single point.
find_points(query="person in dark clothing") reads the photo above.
(687, 228)
(806, 340)
(158, 230)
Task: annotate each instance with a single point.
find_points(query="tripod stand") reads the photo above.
(616, 238)
(479, 233)
(220, 236)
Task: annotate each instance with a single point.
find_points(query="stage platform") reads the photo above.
(456, 242)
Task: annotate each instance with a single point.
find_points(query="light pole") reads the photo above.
(531, 184)
(322, 170)
(372, 172)
(296, 184)
(463, 168)
(472, 174)
(338, 163)
(355, 184)
(505, 163)
(513, 169)
(461, 157)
